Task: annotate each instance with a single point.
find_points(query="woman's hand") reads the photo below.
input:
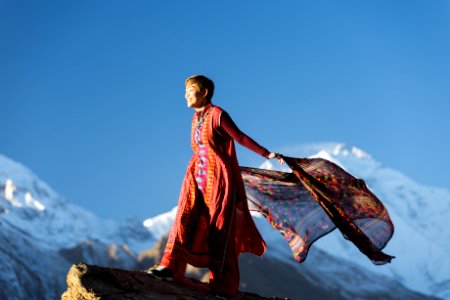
(274, 154)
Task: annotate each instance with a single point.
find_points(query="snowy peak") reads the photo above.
(335, 152)
(332, 149)
(159, 226)
(42, 235)
(19, 188)
(30, 205)
(28, 200)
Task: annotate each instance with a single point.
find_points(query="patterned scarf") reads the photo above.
(314, 199)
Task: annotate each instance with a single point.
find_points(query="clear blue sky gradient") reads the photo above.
(92, 92)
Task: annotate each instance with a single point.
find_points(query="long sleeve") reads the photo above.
(227, 124)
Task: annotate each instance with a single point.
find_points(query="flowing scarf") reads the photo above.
(317, 197)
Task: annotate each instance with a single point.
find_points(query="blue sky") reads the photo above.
(92, 92)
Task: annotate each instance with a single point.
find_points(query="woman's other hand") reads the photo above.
(274, 154)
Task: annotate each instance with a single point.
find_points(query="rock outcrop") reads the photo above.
(88, 282)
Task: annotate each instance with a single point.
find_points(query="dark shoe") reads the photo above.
(160, 272)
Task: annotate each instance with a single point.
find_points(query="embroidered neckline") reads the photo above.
(201, 115)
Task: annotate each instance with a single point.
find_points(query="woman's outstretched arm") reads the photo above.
(227, 124)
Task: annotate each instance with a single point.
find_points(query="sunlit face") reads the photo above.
(194, 97)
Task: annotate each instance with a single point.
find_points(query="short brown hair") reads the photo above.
(203, 83)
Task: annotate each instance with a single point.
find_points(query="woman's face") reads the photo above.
(194, 97)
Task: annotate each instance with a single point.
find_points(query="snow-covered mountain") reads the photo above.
(41, 235)
(421, 242)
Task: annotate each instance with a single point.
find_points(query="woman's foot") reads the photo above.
(161, 272)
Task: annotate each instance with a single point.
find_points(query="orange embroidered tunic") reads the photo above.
(212, 207)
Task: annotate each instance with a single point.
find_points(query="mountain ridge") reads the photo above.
(34, 217)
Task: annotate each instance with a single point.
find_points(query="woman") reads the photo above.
(213, 224)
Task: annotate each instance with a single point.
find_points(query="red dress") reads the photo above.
(213, 224)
